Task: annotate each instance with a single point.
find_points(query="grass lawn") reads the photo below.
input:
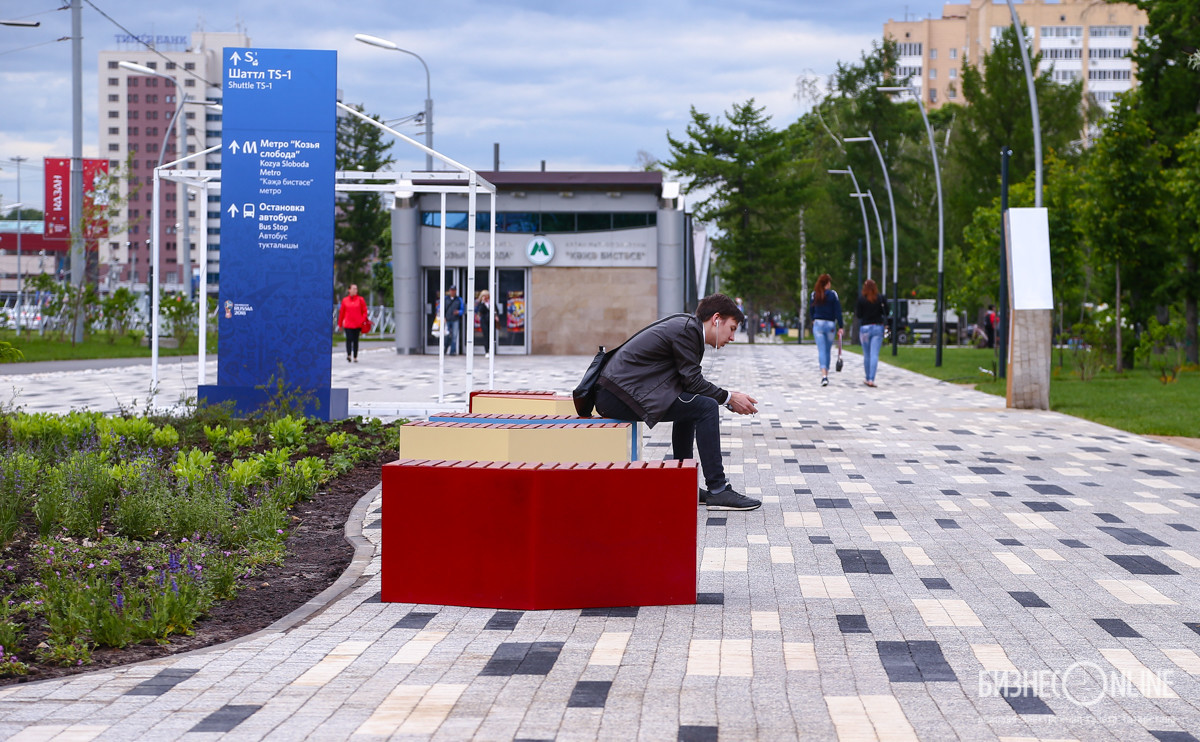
(35, 347)
(38, 348)
(1135, 401)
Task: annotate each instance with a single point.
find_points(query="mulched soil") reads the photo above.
(317, 554)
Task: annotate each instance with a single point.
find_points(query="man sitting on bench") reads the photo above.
(656, 376)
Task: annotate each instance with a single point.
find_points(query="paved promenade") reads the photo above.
(925, 565)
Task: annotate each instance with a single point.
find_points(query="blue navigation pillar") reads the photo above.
(277, 220)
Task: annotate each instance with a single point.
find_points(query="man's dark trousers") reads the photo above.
(692, 417)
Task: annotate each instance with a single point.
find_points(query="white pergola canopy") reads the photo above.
(457, 179)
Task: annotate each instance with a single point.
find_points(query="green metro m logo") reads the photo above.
(540, 250)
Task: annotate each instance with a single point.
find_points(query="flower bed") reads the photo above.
(118, 532)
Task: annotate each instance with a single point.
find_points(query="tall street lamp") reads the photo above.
(385, 44)
(937, 177)
(78, 253)
(1033, 106)
(887, 181)
(862, 207)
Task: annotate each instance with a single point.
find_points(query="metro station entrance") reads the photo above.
(510, 309)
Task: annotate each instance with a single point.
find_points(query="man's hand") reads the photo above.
(742, 404)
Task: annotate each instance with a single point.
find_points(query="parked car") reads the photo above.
(31, 317)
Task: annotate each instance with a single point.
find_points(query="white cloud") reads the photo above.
(580, 86)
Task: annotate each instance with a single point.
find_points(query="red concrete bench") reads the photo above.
(539, 536)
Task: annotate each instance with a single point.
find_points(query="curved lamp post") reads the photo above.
(1033, 106)
(937, 177)
(385, 44)
(879, 224)
(887, 181)
(862, 207)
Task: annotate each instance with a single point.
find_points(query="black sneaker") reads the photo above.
(703, 496)
(824, 381)
(728, 499)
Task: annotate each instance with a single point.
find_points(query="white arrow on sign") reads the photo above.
(233, 210)
(233, 148)
(235, 58)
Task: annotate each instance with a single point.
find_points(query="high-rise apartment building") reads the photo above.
(135, 117)
(1079, 39)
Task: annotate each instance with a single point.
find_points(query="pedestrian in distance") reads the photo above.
(483, 316)
(453, 315)
(656, 376)
(352, 315)
(871, 311)
(826, 310)
(990, 320)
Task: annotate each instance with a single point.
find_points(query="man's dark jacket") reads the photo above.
(651, 370)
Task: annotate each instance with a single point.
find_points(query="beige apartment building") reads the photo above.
(1090, 40)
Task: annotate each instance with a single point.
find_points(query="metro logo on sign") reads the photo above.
(540, 250)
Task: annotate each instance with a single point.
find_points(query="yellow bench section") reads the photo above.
(635, 428)
(565, 443)
(522, 402)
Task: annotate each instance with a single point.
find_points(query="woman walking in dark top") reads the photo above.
(871, 311)
(826, 311)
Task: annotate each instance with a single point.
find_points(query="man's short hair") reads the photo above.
(719, 304)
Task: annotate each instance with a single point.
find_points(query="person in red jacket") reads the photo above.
(352, 315)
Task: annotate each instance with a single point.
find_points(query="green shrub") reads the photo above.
(240, 438)
(165, 437)
(44, 430)
(274, 462)
(216, 435)
(200, 510)
(338, 440)
(142, 507)
(18, 478)
(193, 465)
(86, 488)
(244, 474)
(1162, 348)
(287, 431)
(137, 430)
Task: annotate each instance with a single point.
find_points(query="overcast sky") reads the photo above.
(580, 84)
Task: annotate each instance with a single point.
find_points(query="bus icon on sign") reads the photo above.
(540, 250)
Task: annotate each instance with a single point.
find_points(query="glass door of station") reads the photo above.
(509, 299)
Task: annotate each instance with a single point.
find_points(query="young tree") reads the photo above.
(744, 170)
(361, 220)
(1184, 185)
(1170, 89)
(1169, 100)
(1125, 208)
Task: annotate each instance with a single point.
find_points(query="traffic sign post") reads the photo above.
(277, 227)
